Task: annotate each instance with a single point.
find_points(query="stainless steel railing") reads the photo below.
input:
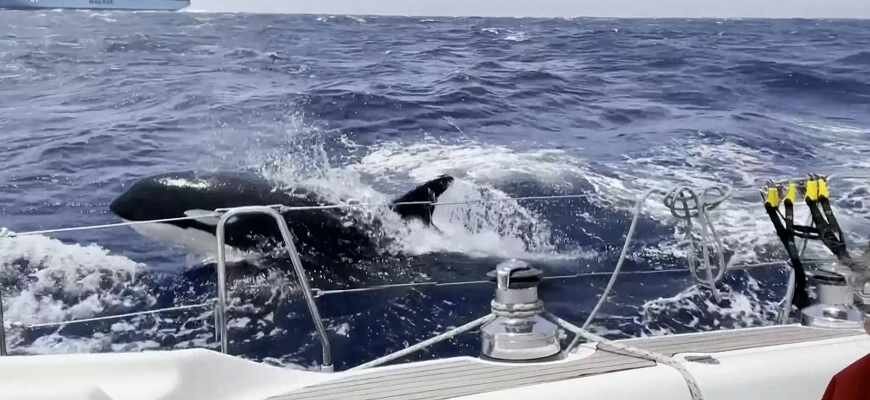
(220, 303)
(2, 327)
(220, 310)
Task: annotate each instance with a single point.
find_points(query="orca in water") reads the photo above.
(320, 234)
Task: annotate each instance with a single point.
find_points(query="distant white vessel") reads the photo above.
(167, 5)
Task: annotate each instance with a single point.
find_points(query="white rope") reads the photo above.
(670, 201)
(613, 346)
(788, 298)
(605, 344)
(628, 238)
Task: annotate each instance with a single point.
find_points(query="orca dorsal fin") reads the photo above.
(427, 192)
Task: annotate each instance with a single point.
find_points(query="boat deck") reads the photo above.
(468, 376)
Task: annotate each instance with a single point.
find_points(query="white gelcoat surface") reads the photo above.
(787, 372)
(179, 374)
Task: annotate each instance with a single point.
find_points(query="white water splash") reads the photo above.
(694, 309)
(47, 280)
(501, 228)
(474, 161)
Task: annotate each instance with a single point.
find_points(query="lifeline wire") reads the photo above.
(119, 316)
(351, 204)
(426, 343)
(6, 233)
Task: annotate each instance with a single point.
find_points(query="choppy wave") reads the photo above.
(365, 108)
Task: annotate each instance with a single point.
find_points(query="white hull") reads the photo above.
(795, 371)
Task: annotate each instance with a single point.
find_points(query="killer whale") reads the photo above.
(321, 234)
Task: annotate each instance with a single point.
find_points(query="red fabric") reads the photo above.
(852, 383)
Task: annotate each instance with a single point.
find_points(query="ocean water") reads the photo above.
(367, 107)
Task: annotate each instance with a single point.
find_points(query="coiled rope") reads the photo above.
(685, 204)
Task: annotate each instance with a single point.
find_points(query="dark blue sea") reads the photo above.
(369, 107)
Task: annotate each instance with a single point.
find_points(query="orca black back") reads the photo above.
(322, 235)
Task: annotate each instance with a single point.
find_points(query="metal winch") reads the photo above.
(840, 304)
(519, 332)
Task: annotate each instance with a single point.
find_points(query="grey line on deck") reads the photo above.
(463, 377)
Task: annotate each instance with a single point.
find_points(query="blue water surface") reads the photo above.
(368, 107)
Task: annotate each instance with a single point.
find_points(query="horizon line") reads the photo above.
(830, 18)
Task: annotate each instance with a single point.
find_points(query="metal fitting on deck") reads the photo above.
(863, 298)
(519, 332)
(839, 303)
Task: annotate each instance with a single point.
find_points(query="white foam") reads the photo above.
(835, 128)
(238, 323)
(106, 17)
(56, 343)
(500, 229)
(477, 162)
(744, 308)
(53, 281)
(517, 37)
(342, 329)
(741, 221)
(123, 326)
